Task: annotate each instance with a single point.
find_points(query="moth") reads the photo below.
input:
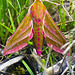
(36, 25)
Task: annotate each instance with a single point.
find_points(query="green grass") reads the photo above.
(27, 67)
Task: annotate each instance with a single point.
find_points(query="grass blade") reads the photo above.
(28, 68)
(4, 10)
(45, 49)
(13, 6)
(10, 30)
(11, 20)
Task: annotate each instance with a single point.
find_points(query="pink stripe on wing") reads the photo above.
(57, 49)
(33, 30)
(31, 35)
(57, 27)
(19, 26)
(15, 49)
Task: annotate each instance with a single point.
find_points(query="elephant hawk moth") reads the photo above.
(36, 25)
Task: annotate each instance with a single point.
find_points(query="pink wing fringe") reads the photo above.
(58, 50)
(15, 49)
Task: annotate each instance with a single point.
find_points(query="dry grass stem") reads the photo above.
(67, 49)
(47, 60)
(51, 2)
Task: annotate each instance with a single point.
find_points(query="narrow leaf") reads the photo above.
(28, 68)
(11, 20)
(10, 30)
(4, 10)
(13, 6)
